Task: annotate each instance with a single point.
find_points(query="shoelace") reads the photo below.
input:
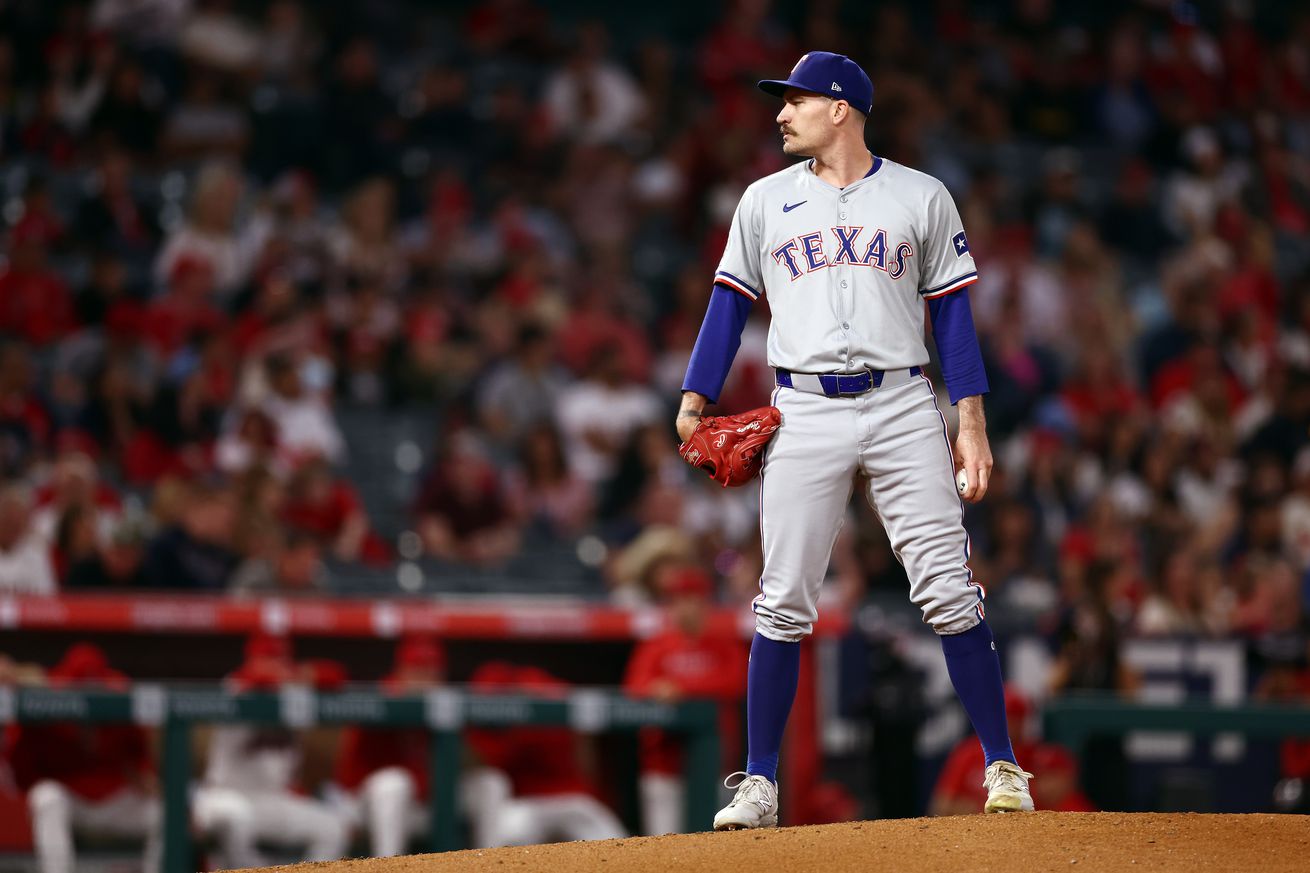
(1008, 777)
(750, 790)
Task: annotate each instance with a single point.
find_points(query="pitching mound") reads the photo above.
(1186, 843)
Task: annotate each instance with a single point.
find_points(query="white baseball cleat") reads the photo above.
(1007, 788)
(755, 805)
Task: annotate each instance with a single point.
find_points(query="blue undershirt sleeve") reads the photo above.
(717, 342)
(957, 345)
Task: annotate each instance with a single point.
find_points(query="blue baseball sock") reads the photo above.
(770, 689)
(975, 670)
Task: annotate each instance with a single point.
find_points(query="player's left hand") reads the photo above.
(730, 448)
(973, 459)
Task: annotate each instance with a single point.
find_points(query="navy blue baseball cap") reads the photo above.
(831, 75)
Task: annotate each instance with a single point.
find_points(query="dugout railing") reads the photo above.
(445, 712)
(1071, 720)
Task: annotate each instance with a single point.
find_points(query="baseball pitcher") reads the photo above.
(849, 247)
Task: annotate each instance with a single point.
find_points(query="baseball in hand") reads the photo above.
(961, 481)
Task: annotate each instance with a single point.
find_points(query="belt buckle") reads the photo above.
(863, 374)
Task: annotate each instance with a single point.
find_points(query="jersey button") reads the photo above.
(845, 325)
(843, 198)
(843, 283)
(842, 215)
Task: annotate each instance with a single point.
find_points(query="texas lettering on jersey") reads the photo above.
(846, 270)
(842, 245)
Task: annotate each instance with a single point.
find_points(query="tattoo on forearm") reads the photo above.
(688, 413)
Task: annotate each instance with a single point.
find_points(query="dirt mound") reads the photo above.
(1186, 843)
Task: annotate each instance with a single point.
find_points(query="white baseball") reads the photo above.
(962, 481)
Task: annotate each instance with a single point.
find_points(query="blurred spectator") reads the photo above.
(462, 510)
(210, 234)
(278, 321)
(1131, 221)
(638, 572)
(1283, 433)
(545, 493)
(959, 789)
(1185, 603)
(107, 300)
(301, 238)
(368, 334)
(116, 564)
(301, 416)
(1088, 657)
(600, 412)
(217, 38)
(196, 553)
(75, 539)
(129, 115)
(251, 445)
(287, 43)
(1266, 599)
(531, 786)
(686, 661)
(25, 566)
(365, 245)
(24, 421)
(184, 313)
(82, 778)
(383, 773)
(591, 99)
(1296, 515)
(248, 795)
(1197, 194)
(329, 510)
(205, 123)
(1123, 104)
(75, 482)
(357, 115)
(113, 217)
(523, 391)
(35, 302)
(292, 565)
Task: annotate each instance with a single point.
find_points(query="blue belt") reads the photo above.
(835, 384)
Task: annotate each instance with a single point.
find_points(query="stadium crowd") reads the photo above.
(224, 222)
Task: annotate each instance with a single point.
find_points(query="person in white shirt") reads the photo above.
(600, 413)
(302, 418)
(25, 566)
(211, 232)
(591, 99)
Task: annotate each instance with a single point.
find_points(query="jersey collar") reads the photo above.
(873, 170)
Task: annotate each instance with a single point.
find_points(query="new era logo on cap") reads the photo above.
(828, 74)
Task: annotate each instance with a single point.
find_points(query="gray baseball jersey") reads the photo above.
(846, 270)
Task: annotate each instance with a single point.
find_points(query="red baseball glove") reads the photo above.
(730, 448)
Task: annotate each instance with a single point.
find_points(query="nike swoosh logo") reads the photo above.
(786, 208)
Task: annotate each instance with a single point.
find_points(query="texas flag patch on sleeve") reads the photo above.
(961, 245)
